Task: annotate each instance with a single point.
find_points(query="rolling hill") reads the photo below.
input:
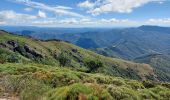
(159, 62)
(125, 43)
(32, 69)
(49, 52)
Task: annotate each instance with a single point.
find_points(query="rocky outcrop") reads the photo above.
(32, 52)
(13, 43)
(23, 49)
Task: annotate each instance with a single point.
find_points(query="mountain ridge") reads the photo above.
(43, 50)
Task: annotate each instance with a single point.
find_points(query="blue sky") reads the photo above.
(85, 13)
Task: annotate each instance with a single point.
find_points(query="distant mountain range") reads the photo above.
(127, 43)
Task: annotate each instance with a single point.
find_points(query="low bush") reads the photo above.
(24, 87)
(63, 59)
(44, 82)
(149, 84)
(7, 56)
(94, 65)
(79, 91)
(121, 93)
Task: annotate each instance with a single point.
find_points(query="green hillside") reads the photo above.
(44, 82)
(159, 62)
(50, 53)
(56, 70)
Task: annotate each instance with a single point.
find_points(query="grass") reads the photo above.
(31, 81)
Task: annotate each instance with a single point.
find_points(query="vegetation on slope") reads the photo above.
(44, 82)
(159, 62)
(60, 53)
(56, 70)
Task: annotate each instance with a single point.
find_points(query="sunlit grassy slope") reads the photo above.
(160, 62)
(47, 52)
(37, 82)
(31, 70)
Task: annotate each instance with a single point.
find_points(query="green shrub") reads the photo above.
(72, 92)
(3, 55)
(135, 85)
(62, 79)
(63, 59)
(79, 91)
(7, 56)
(46, 61)
(148, 95)
(149, 84)
(14, 58)
(163, 92)
(24, 86)
(94, 65)
(100, 92)
(122, 93)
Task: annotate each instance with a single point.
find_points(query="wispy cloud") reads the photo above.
(108, 6)
(59, 10)
(114, 20)
(159, 21)
(84, 21)
(86, 4)
(63, 7)
(12, 18)
(28, 9)
(11, 15)
(67, 21)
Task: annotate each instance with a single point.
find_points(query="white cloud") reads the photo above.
(159, 21)
(63, 7)
(41, 14)
(86, 4)
(114, 21)
(69, 21)
(74, 21)
(2, 23)
(45, 22)
(88, 21)
(120, 6)
(28, 9)
(48, 8)
(11, 17)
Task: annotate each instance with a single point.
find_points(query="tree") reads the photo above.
(93, 65)
(63, 59)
